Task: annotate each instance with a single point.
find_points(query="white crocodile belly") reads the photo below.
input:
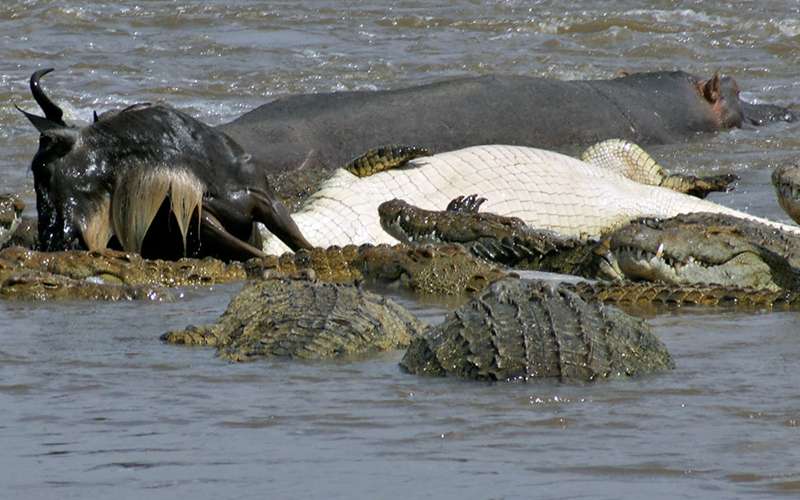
(545, 189)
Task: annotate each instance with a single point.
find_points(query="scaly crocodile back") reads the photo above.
(519, 330)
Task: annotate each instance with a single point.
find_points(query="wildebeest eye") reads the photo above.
(52, 146)
(57, 144)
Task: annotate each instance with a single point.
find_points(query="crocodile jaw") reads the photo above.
(10, 217)
(743, 270)
(786, 180)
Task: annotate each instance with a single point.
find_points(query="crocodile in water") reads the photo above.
(518, 330)
(305, 319)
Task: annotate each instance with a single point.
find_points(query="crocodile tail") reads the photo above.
(699, 186)
(139, 194)
(627, 159)
(384, 158)
(631, 161)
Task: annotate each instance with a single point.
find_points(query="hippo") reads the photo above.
(299, 140)
(152, 180)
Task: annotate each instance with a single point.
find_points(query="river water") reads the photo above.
(94, 406)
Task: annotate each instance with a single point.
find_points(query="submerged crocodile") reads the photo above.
(103, 275)
(546, 190)
(112, 275)
(648, 294)
(303, 319)
(514, 330)
(428, 270)
(518, 330)
(16, 229)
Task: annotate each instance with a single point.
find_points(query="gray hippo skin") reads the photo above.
(321, 132)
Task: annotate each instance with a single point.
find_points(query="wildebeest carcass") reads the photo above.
(149, 179)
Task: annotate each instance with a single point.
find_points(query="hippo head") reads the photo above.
(722, 93)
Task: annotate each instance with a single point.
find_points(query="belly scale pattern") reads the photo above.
(545, 189)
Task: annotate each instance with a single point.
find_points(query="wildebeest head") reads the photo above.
(111, 178)
(57, 226)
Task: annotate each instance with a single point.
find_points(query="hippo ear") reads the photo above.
(712, 89)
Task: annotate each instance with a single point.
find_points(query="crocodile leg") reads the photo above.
(628, 159)
(465, 204)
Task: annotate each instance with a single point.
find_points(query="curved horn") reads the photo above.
(51, 111)
(41, 124)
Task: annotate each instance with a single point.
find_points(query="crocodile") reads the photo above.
(647, 294)
(707, 248)
(11, 208)
(43, 286)
(693, 248)
(547, 190)
(303, 319)
(103, 275)
(497, 238)
(519, 330)
(426, 270)
(16, 229)
(113, 275)
(786, 180)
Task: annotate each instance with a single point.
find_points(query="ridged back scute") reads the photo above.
(521, 330)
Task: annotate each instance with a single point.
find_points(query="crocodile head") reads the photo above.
(408, 224)
(691, 250)
(786, 180)
(11, 209)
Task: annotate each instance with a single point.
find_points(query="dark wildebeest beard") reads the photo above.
(149, 179)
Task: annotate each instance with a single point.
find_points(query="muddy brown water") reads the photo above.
(94, 406)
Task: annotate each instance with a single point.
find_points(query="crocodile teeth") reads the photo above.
(660, 250)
